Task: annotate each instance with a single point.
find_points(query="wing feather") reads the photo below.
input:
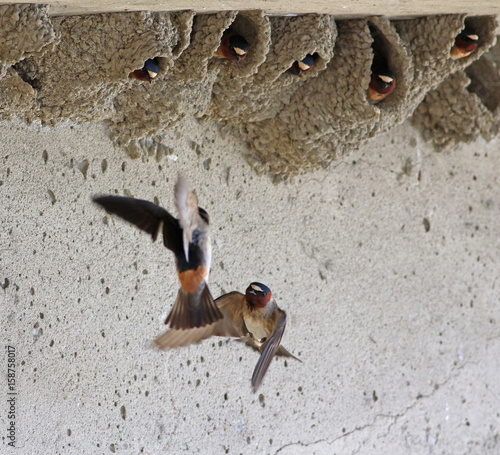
(229, 326)
(146, 215)
(268, 353)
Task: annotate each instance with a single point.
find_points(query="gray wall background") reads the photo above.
(398, 328)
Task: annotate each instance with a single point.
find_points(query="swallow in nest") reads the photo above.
(232, 47)
(300, 67)
(465, 44)
(148, 72)
(382, 84)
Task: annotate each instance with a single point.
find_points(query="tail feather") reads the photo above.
(193, 309)
(176, 338)
(282, 352)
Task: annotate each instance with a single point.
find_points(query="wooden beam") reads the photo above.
(344, 8)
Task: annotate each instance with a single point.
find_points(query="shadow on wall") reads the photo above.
(304, 90)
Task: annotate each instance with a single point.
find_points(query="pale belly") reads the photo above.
(257, 330)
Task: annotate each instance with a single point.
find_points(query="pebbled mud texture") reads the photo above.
(77, 68)
(331, 113)
(464, 107)
(25, 31)
(148, 109)
(17, 98)
(93, 60)
(330, 116)
(262, 95)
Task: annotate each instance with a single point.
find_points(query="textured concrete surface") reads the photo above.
(387, 264)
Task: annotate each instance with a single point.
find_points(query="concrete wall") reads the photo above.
(387, 265)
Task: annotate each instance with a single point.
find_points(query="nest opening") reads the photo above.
(243, 27)
(472, 24)
(295, 68)
(25, 76)
(382, 61)
(482, 85)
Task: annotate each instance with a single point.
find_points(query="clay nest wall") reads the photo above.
(78, 68)
(264, 93)
(25, 32)
(331, 116)
(90, 67)
(145, 110)
(465, 106)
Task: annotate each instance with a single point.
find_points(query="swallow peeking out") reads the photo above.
(253, 317)
(148, 72)
(382, 84)
(188, 238)
(299, 68)
(465, 44)
(232, 47)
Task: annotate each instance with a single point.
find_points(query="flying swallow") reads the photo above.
(465, 44)
(148, 72)
(188, 238)
(382, 84)
(299, 68)
(253, 317)
(232, 47)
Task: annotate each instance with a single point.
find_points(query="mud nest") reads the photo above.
(300, 95)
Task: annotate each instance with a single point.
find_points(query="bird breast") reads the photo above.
(257, 325)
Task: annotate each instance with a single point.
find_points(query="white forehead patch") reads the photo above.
(386, 79)
(303, 66)
(473, 37)
(152, 74)
(239, 51)
(256, 288)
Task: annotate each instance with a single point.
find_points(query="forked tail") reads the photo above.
(193, 309)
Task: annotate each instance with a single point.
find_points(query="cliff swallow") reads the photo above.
(232, 47)
(188, 238)
(148, 72)
(382, 84)
(253, 317)
(465, 44)
(299, 68)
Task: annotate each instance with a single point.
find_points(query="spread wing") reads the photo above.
(229, 326)
(146, 216)
(176, 338)
(231, 306)
(268, 352)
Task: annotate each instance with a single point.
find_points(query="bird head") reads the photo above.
(151, 67)
(238, 47)
(258, 295)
